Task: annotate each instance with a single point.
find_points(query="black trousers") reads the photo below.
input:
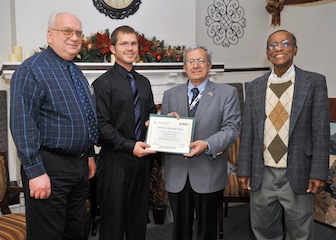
(124, 193)
(61, 216)
(206, 205)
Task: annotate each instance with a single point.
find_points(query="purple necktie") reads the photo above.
(136, 102)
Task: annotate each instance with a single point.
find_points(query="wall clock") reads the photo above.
(117, 9)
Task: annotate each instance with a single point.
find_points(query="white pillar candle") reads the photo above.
(26, 56)
(112, 59)
(13, 57)
(18, 50)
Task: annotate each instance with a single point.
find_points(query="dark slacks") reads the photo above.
(206, 205)
(61, 216)
(124, 194)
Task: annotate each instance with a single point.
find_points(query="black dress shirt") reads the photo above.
(115, 108)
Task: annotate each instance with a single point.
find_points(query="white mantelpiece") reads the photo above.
(162, 76)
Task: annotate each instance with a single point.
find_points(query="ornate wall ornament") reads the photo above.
(225, 22)
(117, 9)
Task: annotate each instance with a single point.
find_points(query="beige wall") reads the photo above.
(183, 22)
(314, 27)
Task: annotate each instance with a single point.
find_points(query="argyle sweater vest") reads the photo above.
(279, 98)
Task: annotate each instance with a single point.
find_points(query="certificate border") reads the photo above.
(190, 119)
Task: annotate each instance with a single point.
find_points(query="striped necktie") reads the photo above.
(86, 104)
(136, 102)
(195, 93)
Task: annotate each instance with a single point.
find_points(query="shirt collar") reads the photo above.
(123, 71)
(290, 72)
(201, 87)
(63, 62)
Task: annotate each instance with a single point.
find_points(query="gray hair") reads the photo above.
(209, 53)
(53, 17)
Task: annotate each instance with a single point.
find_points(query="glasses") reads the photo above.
(200, 61)
(127, 44)
(68, 33)
(275, 46)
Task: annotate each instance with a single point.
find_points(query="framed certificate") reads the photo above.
(169, 134)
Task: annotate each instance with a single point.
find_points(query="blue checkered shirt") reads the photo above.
(45, 110)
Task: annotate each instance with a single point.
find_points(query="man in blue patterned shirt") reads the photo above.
(52, 133)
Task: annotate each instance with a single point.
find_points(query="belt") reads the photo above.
(61, 152)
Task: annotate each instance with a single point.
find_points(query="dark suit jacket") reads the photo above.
(217, 121)
(115, 108)
(309, 134)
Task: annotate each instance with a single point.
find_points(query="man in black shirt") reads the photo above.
(124, 102)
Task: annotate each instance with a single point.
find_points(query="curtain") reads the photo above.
(274, 7)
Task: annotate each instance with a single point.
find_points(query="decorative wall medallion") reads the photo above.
(225, 22)
(117, 9)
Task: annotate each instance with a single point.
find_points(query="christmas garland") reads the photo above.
(96, 48)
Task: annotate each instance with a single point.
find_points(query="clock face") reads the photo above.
(117, 9)
(118, 4)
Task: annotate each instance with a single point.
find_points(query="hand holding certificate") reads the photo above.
(169, 134)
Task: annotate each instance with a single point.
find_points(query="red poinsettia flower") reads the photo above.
(103, 42)
(144, 45)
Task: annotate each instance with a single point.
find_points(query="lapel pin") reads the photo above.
(210, 93)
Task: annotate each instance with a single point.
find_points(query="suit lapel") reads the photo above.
(259, 93)
(301, 89)
(205, 100)
(182, 100)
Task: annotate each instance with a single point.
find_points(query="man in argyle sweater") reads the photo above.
(285, 139)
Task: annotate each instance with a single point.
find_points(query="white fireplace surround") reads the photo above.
(161, 75)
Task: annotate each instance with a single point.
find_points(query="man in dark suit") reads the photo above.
(196, 180)
(284, 148)
(124, 102)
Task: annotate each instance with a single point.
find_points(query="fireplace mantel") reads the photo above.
(162, 76)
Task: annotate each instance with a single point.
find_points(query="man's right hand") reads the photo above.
(174, 114)
(140, 149)
(40, 187)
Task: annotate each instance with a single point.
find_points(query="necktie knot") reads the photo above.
(130, 76)
(195, 92)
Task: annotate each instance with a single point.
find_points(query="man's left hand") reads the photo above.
(197, 148)
(315, 186)
(92, 167)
